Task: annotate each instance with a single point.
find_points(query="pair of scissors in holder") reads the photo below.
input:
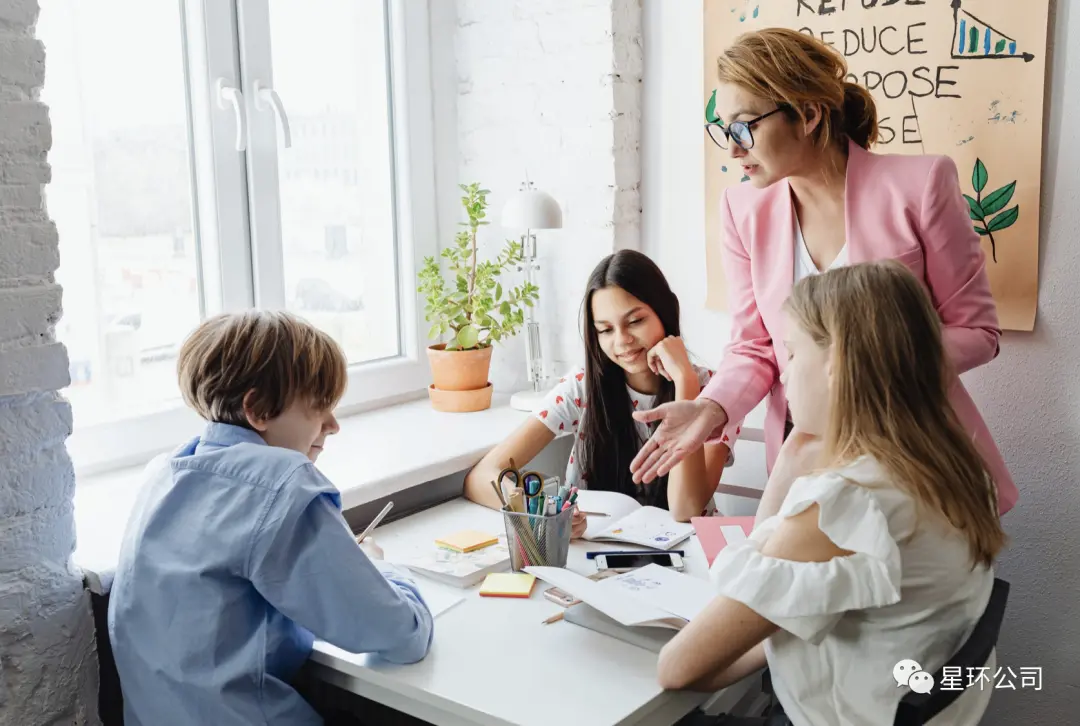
(531, 484)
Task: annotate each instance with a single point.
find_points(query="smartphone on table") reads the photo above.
(625, 561)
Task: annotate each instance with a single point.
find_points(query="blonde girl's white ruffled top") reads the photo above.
(908, 592)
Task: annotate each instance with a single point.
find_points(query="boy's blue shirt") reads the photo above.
(235, 557)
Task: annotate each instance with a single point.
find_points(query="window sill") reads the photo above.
(376, 454)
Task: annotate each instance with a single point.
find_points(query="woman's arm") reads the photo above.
(749, 369)
(956, 272)
(522, 446)
(717, 644)
(693, 482)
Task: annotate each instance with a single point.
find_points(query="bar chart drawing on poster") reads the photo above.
(969, 30)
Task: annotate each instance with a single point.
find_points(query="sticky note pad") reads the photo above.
(467, 541)
(508, 584)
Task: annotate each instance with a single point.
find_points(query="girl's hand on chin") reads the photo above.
(669, 359)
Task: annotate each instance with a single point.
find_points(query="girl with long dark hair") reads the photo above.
(634, 360)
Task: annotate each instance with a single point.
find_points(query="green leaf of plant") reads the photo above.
(434, 332)
(710, 110)
(982, 232)
(498, 292)
(979, 176)
(504, 309)
(1004, 220)
(467, 337)
(996, 200)
(974, 209)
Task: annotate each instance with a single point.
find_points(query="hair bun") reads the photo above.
(860, 115)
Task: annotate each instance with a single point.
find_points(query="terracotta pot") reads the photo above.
(460, 401)
(459, 370)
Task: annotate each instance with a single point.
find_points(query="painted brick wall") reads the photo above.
(551, 90)
(48, 671)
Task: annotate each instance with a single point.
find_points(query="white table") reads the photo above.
(494, 662)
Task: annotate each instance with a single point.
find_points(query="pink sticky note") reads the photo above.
(716, 533)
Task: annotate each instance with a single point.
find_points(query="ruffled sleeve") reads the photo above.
(808, 598)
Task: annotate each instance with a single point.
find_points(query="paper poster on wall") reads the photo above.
(957, 77)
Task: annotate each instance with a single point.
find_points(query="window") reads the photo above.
(215, 155)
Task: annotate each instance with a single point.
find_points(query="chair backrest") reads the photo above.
(916, 709)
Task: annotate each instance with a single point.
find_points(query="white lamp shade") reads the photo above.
(532, 209)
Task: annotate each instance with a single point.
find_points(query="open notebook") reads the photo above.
(651, 596)
(616, 517)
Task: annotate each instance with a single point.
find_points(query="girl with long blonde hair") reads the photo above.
(882, 552)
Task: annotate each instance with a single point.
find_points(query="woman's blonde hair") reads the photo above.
(889, 393)
(795, 70)
(275, 355)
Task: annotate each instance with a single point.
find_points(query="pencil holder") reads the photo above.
(537, 540)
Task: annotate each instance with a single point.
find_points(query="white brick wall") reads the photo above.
(551, 89)
(48, 670)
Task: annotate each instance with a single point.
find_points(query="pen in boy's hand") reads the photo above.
(375, 522)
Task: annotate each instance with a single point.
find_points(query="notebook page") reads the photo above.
(647, 527)
(612, 504)
(617, 603)
(664, 588)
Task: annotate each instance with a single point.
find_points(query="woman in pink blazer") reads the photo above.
(817, 198)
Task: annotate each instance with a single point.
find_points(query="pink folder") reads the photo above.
(715, 533)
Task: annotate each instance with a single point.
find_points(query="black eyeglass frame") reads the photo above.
(727, 133)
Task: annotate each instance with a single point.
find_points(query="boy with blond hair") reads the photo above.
(237, 555)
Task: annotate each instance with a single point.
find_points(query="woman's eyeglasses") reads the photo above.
(737, 131)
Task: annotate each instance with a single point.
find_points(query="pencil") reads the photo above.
(375, 522)
(554, 618)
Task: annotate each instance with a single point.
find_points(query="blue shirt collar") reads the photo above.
(222, 435)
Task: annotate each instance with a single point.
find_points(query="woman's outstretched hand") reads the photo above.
(684, 428)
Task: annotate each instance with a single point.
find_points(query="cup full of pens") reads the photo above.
(538, 523)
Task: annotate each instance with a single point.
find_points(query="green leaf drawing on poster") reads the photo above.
(996, 200)
(710, 110)
(979, 176)
(975, 210)
(1003, 220)
(984, 210)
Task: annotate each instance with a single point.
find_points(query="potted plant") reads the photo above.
(471, 308)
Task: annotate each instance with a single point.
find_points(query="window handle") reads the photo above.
(265, 97)
(234, 97)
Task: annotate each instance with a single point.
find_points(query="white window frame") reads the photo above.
(240, 260)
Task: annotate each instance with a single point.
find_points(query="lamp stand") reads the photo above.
(528, 400)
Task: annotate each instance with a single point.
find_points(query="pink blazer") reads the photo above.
(908, 208)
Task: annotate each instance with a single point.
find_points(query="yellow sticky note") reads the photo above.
(467, 540)
(508, 584)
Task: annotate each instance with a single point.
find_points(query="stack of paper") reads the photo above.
(460, 569)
